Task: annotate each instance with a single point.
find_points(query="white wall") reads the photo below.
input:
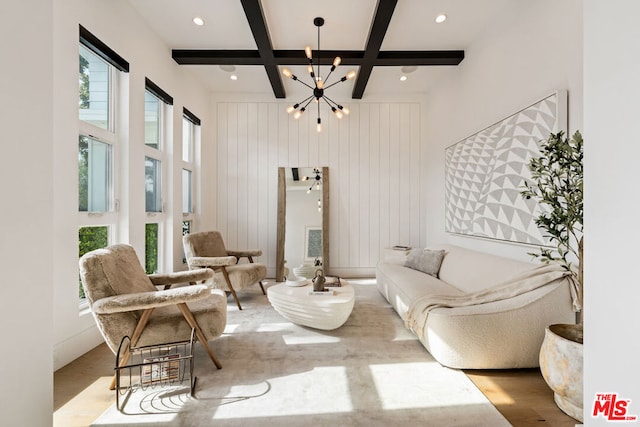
(376, 179)
(516, 63)
(26, 221)
(76, 333)
(612, 150)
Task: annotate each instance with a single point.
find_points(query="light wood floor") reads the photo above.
(81, 393)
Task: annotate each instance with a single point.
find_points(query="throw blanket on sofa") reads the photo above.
(543, 275)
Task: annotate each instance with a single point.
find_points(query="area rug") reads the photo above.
(369, 372)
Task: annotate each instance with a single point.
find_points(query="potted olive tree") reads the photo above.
(557, 185)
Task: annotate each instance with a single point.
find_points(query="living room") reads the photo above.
(535, 49)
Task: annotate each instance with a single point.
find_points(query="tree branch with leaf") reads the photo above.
(557, 185)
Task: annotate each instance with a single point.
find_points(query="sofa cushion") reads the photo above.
(401, 286)
(472, 271)
(425, 260)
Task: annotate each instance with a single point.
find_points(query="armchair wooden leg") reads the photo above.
(188, 315)
(259, 281)
(233, 292)
(137, 332)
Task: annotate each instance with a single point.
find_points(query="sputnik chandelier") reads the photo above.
(317, 180)
(320, 84)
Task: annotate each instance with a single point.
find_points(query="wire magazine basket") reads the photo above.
(162, 365)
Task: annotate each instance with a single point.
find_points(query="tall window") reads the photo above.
(190, 139)
(95, 175)
(95, 90)
(157, 108)
(99, 72)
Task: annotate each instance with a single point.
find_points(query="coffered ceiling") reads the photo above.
(380, 39)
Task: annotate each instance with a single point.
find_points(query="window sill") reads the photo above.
(83, 308)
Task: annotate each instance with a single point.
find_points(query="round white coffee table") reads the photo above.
(325, 312)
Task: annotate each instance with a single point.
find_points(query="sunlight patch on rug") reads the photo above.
(372, 371)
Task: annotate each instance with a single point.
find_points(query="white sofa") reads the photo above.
(495, 335)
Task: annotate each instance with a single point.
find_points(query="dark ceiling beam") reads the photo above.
(379, 26)
(419, 57)
(255, 16)
(270, 59)
(297, 57)
(216, 57)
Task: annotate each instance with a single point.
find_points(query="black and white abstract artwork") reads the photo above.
(486, 171)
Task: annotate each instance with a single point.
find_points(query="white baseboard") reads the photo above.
(70, 349)
(352, 272)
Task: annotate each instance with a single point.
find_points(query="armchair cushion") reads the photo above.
(188, 276)
(241, 276)
(204, 261)
(245, 253)
(153, 299)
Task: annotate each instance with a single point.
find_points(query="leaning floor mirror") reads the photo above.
(303, 222)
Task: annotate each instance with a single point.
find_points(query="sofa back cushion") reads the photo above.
(471, 271)
(425, 260)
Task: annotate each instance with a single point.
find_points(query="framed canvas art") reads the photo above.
(484, 174)
(313, 243)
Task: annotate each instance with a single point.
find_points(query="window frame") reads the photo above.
(110, 218)
(190, 165)
(160, 154)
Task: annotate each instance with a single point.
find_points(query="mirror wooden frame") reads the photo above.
(281, 226)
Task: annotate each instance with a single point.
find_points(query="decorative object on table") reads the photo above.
(324, 292)
(483, 174)
(332, 282)
(557, 184)
(319, 84)
(305, 271)
(318, 281)
(296, 281)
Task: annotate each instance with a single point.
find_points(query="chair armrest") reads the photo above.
(245, 253)
(151, 299)
(188, 276)
(203, 261)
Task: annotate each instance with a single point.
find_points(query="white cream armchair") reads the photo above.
(125, 302)
(206, 249)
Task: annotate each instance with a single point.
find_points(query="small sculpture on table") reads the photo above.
(318, 281)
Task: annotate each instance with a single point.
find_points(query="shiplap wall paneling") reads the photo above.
(371, 150)
(376, 186)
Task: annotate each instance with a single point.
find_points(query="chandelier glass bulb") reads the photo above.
(320, 84)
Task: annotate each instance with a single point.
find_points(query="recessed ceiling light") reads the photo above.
(198, 21)
(233, 77)
(403, 78)
(228, 68)
(409, 69)
(441, 18)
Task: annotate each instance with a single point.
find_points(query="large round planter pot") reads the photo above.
(561, 366)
